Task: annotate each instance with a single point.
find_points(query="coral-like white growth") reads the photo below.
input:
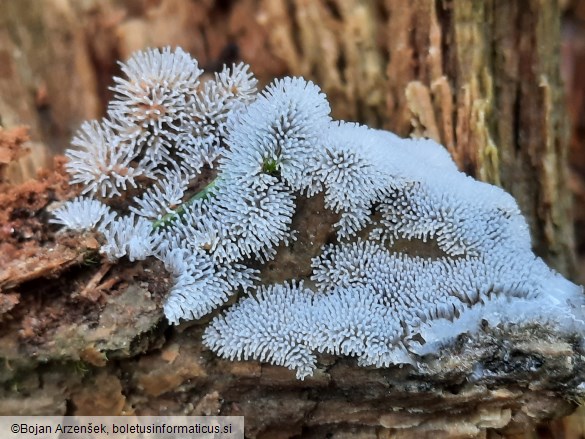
(82, 214)
(103, 161)
(201, 285)
(268, 327)
(279, 133)
(437, 251)
(152, 102)
(352, 180)
(231, 89)
(238, 83)
(196, 151)
(252, 221)
(236, 222)
(353, 183)
(161, 199)
(372, 304)
(129, 236)
(286, 324)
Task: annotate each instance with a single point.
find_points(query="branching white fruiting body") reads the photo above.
(369, 300)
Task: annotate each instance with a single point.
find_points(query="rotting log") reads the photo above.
(84, 336)
(480, 77)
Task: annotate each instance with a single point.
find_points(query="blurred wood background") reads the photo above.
(481, 77)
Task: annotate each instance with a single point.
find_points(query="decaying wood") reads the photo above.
(480, 77)
(84, 336)
(573, 68)
(118, 357)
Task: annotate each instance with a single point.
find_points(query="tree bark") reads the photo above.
(482, 78)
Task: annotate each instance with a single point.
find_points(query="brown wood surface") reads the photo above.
(481, 77)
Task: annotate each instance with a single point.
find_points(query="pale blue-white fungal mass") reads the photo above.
(245, 159)
(83, 214)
